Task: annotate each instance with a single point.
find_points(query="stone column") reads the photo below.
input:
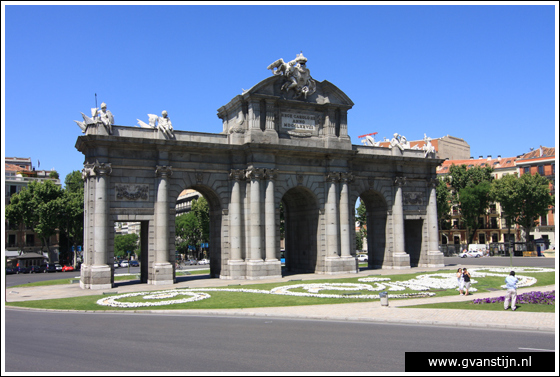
(331, 215)
(101, 227)
(96, 272)
(235, 215)
(401, 259)
(345, 241)
(255, 175)
(162, 270)
(435, 257)
(270, 216)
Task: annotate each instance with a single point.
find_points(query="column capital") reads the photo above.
(346, 177)
(255, 173)
(332, 176)
(237, 174)
(270, 174)
(432, 182)
(88, 171)
(101, 168)
(400, 181)
(164, 171)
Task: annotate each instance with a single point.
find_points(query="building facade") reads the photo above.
(19, 172)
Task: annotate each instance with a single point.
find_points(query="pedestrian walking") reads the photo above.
(467, 281)
(460, 280)
(511, 295)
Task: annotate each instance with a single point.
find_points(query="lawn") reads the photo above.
(302, 292)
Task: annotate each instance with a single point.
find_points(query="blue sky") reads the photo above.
(483, 73)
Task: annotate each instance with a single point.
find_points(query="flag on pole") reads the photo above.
(38, 163)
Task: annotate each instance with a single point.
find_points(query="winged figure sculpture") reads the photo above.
(152, 119)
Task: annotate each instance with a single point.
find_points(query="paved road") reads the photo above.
(117, 342)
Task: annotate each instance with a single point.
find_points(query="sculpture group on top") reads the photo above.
(297, 76)
(163, 123)
(102, 116)
(105, 117)
(400, 142)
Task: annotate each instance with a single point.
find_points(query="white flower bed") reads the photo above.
(421, 283)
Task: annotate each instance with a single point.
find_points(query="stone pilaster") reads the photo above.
(401, 260)
(331, 215)
(254, 260)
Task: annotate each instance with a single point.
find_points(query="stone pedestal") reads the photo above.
(338, 265)
(435, 259)
(237, 270)
(401, 261)
(96, 277)
(161, 274)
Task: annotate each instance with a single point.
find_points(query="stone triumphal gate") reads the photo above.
(285, 140)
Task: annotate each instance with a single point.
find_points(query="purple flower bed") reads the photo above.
(545, 298)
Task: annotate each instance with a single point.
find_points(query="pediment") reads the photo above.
(325, 93)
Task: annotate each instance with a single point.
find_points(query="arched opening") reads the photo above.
(301, 214)
(199, 241)
(375, 227)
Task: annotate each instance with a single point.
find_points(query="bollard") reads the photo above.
(384, 298)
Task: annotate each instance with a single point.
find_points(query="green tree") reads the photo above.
(193, 228)
(125, 243)
(443, 199)
(534, 201)
(473, 201)
(506, 192)
(361, 219)
(72, 207)
(38, 206)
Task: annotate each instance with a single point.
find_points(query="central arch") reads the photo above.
(376, 212)
(301, 213)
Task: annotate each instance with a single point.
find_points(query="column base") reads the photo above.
(256, 270)
(236, 270)
(161, 274)
(401, 261)
(96, 277)
(435, 259)
(341, 265)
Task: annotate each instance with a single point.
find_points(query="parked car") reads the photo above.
(471, 254)
(48, 267)
(134, 263)
(204, 261)
(22, 270)
(116, 264)
(58, 267)
(35, 269)
(362, 258)
(67, 268)
(192, 262)
(124, 263)
(10, 270)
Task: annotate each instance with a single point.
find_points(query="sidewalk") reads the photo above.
(396, 312)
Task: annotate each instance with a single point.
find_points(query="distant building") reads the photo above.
(184, 201)
(541, 161)
(19, 172)
(493, 227)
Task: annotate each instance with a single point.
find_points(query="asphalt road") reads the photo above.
(131, 342)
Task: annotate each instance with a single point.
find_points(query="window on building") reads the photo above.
(12, 240)
(443, 239)
(494, 222)
(540, 169)
(494, 237)
(481, 238)
(456, 240)
(544, 221)
(30, 240)
(526, 170)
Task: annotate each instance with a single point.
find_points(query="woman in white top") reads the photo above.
(460, 281)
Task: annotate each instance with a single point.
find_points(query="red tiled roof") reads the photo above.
(542, 152)
(496, 163)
